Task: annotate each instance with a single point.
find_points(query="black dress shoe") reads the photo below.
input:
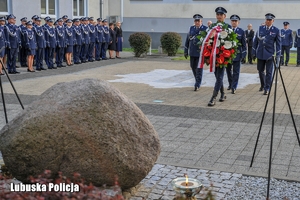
(38, 69)
(58, 66)
(16, 72)
(266, 92)
(54, 68)
(104, 58)
(11, 72)
(261, 89)
(63, 65)
(98, 59)
(233, 91)
(229, 88)
(30, 70)
(196, 88)
(286, 64)
(42, 68)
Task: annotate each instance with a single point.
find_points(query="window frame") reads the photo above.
(53, 16)
(8, 8)
(85, 9)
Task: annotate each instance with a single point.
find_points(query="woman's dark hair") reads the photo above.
(110, 24)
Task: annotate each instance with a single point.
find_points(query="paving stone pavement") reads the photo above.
(193, 136)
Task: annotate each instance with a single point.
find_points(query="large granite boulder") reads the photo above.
(85, 126)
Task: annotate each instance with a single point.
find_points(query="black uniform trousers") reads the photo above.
(265, 80)
(250, 54)
(286, 50)
(197, 72)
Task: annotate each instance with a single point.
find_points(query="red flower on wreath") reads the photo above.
(220, 60)
(226, 53)
(206, 53)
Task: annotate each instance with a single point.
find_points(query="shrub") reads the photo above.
(170, 42)
(140, 43)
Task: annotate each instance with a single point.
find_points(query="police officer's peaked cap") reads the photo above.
(99, 19)
(65, 17)
(11, 16)
(29, 23)
(197, 17)
(38, 19)
(69, 20)
(85, 19)
(286, 23)
(270, 16)
(104, 20)
(75, 20)
(221, 10)
(24, 19)
(91, 18)
(235, 17)
(59, 20)
(2, 18)
(50, 20)
(34, 17)
(47, 18)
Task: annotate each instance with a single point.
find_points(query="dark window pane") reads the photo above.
(81, 7)
(43, 6)
(3, 7)
(51, 7)
(75, 13)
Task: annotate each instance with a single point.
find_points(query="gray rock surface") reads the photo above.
(85, 126)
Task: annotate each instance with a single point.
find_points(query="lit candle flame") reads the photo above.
(186, 179)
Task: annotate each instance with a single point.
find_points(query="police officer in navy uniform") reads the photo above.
(99, 39)
(297, 45)
(65, 18)
(286, 42)
(233, 70)
(30, 45)
(77, 41)
(219, 72)
(192, 48)
(92, 33)
(85, 40)
(106, 39)
(50, 38)
(60, 43)
(267, 37)
(22, 49)
(41, 44)
(12, 33)
(2, 43)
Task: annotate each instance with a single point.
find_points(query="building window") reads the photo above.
(79, 8)
(3, 7)
(48, 8)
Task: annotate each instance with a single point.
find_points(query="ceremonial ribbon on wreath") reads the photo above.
(213, 33)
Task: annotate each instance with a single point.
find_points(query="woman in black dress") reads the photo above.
(119, 35)
(112, 41)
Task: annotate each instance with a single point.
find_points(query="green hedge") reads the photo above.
(170, 42)
(140, 43)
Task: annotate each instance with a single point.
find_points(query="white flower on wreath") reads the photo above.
(227, 45)
(234, 43)
(223, 34)
(210, 41)
(230, 30)
(222, 41)
(218, 43)
(219, 24)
